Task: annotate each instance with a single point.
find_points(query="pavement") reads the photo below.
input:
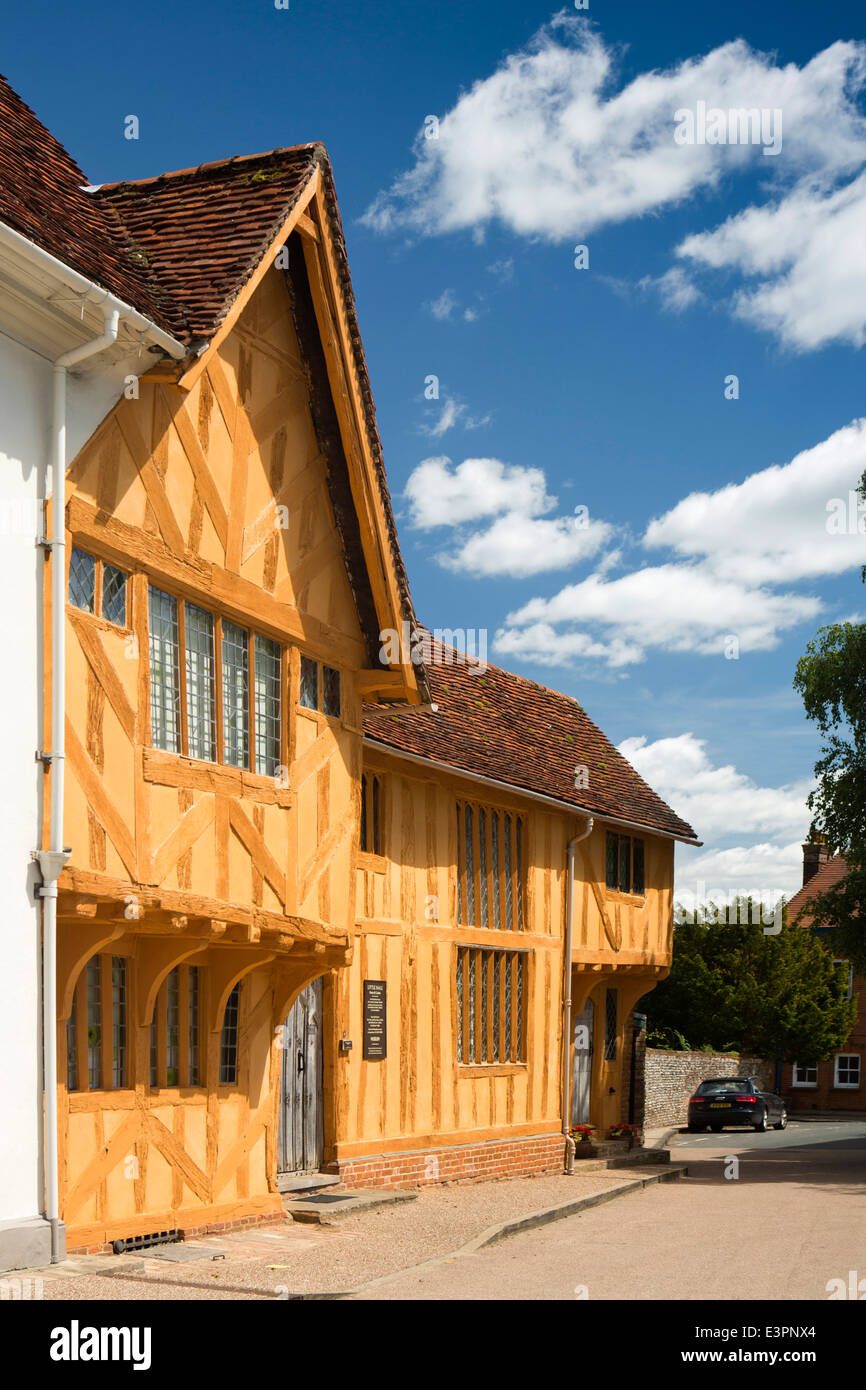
(758, 1216)
(288, 1260)
(767, 1217)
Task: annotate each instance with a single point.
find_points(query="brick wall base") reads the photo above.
(499, 1158)
(213, 1228)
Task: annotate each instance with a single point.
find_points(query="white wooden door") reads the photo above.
(581, 1087)
(301, 1141)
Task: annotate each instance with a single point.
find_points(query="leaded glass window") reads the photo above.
(164, 672)
(267, 706)
(200, 711)
(82, 580)
(236, 694)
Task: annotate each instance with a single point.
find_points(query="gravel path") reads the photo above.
(279, 1261)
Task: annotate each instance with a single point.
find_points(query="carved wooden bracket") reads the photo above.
(225, 967)
(76, 943)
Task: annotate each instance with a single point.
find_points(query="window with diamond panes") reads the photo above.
(229, 1040)
(97, 1030)
(625, 864)
(610, 1023)
(490, 987)
(490, 868)
(174, 1030)
(97, 587)
(309, 696)
(114, 595)
(222, 702)
(82, 580)
(331, 692)
(320, 688)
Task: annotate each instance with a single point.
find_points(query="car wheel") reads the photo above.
(717, 1129)
(695, 1129)
(762, 1126)
(782, 1120)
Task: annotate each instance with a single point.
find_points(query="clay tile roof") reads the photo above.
(42, 198)
(203, 231)
(829, 874)
(502, 726)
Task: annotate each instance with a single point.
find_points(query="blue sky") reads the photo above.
(601, 388)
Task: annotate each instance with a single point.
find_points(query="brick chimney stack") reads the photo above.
(815, 854)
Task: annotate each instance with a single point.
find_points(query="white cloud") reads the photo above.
(549, 147)
(524, 545)
(718, 801)
(676, 291)
(730, 551)
(478, 487)
(767, 824)
(521, 539)
(552, 147)
(809, 250)
(783, 523)
(674, 607)
(444, 306)
(544, 646)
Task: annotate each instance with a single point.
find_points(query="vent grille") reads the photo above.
(123, 1247)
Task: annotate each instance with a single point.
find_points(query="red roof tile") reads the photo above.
(830, 873)
(505, 727)
(42, 197)
(202, 232)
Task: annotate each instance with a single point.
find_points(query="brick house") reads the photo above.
(839, 1083)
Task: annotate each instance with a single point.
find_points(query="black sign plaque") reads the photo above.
(375, 1028)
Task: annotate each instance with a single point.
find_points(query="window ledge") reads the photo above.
(490, 1069)
(103, 624)
(635, 899)
(175, 770)
(377, 863)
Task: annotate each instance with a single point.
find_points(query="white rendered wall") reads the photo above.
(25, 416)
(25, 446)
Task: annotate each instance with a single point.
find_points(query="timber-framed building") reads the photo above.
(316, 911)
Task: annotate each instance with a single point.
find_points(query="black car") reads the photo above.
(735, 1100)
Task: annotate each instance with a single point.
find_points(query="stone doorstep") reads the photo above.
(323, 1208)
(305, 1182)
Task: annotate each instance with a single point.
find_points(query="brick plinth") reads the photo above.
(499, 1158)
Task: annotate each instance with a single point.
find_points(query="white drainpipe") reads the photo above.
(566, 997)
(52, 860)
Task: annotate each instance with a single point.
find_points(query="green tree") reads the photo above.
(831, 678)
(734, 987)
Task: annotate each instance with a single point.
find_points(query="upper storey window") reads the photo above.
(320, 688)
(215, 687)
(625, 864)
(490, 867)
(97, 587)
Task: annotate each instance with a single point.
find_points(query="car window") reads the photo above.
(725, 1085)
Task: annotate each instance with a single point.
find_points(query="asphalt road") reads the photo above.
(797, 1134)
(771, 1216)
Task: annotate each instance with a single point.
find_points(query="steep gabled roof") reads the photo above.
(829, 874)
(182, 247)
(203, 231)
(499, 725)
(42, 197)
